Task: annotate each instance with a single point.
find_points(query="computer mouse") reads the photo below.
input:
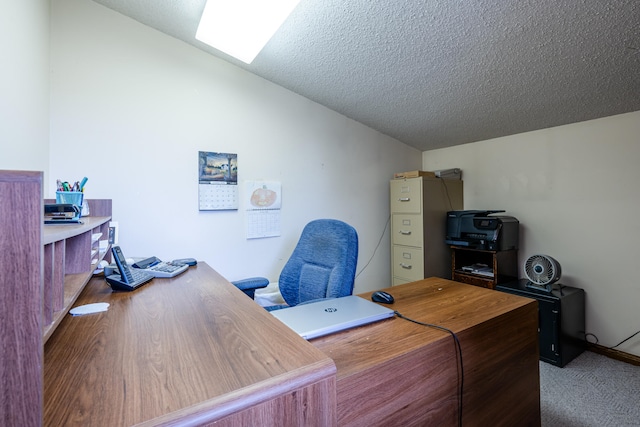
(382, 296)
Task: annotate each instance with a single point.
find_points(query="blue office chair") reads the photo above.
(322, 265)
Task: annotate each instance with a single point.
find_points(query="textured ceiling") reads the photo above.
(437, 73)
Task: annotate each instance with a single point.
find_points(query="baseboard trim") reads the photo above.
(614, 354)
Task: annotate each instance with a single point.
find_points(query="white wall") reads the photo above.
(574, 190)
(24, 85)
(131, 108)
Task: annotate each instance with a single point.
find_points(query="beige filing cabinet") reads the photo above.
(418, 219)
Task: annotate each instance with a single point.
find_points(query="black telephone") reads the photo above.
(129, 279)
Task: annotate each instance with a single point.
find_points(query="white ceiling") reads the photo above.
(437, 73)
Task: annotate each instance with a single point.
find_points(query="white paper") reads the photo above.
(263, 223)
(264, 200)
(89, 308)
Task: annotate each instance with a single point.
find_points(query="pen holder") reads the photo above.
(69, 198)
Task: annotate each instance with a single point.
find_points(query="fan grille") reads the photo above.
(542, 269)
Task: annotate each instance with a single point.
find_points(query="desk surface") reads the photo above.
(395, 372)
(191, 348)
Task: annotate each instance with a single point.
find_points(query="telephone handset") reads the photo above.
(129, 278)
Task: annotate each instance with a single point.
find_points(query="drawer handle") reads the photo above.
(403, 265)
(404, 199)
(406, 233)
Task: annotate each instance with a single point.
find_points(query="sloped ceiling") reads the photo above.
(437, 73)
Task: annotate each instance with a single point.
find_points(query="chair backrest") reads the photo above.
(323, 263)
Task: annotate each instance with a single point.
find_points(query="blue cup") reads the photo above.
(69, 198)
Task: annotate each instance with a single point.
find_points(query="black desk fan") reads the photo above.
(542, 271)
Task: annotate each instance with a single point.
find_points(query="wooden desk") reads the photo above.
(191, 350)
(194, 350)
(398, 373)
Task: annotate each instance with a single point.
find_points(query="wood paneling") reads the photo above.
(35, 289)
(21, 260)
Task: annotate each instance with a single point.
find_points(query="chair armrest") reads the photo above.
(249, 286)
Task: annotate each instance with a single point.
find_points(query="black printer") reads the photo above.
(482, 230)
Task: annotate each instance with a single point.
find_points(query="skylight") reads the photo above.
(241, 28)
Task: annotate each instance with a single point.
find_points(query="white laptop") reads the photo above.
(328, 316)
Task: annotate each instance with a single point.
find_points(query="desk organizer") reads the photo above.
(69, 197)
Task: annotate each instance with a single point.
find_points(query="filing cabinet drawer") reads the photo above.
(398, 281)
(408, 263)
(406, 195)
(407, 229)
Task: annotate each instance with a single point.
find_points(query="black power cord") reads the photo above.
(609, 348)
(624, 340)
(445, 190)
(384, 230)
(459, 358)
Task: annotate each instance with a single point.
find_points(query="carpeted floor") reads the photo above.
(590, 391)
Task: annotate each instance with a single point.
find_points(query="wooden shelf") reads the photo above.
(73, 286)
(71, 256)
(45, 268)
(56, 232)
(503, 265)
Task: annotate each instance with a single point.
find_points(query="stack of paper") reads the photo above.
(478, 268)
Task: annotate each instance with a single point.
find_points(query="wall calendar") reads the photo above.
(217, 181)
(264, 200)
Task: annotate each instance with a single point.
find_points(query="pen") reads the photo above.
(83, 182)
